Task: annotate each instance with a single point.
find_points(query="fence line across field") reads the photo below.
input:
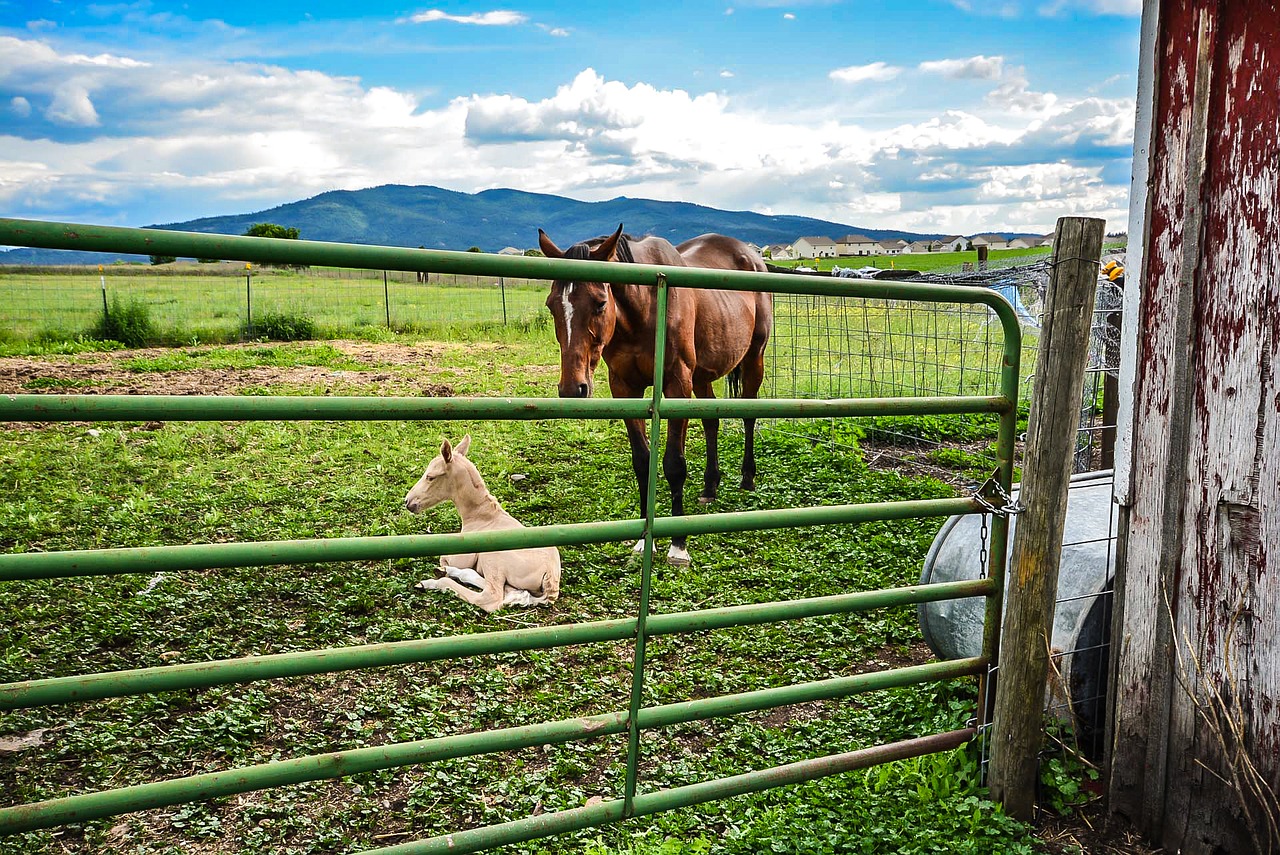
(637, 717)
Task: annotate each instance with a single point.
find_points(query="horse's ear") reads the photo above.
(446, 451)
(606, 250)
(549, 249)
(464, 446)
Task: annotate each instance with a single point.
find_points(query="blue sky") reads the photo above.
(956, 116)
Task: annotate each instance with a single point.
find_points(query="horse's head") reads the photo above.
(585, 314)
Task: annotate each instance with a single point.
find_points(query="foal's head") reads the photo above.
(448, 474)
(584, 312)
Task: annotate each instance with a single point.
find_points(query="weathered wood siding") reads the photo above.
(1199, 642)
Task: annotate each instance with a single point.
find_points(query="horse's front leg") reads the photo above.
(676, 468)
(711, 429)
(640, 465)
(752, 379)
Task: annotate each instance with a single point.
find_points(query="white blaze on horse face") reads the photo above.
(568, 313)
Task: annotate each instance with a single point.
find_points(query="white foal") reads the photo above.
(514, 577)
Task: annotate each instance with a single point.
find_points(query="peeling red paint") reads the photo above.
(1225, 603)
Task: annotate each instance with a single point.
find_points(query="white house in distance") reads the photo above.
(891, 246)
(856, 245)
(990, 241)
(814, 247)
(951, 243)
(918, 246)
(780, 251)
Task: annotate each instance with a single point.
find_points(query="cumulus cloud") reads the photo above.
(875, 71)
(497, 18)
(973, 68)
(112, 134)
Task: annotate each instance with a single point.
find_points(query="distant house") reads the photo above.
(1028, 242)
(510, 250)
(919, 246)
(857, 245)
(990, 241)
(779, 251)
(951, 243)
(892, 246)
(753, 247)
(814, 247)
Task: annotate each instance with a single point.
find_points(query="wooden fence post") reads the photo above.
(1037, 543)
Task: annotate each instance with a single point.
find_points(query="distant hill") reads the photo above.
(395, 215)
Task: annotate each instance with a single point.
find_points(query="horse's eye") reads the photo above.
(600, 306)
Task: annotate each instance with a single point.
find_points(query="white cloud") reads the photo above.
(498, 18)
(1126, 8)
(20, 106)
(876, 71)
(71, 105)
(973, 68)
(726, 74)
(207, 137)
(788, 16)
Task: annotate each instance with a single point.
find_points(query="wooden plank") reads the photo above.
(1016, 735)
(1196, 747)
(1140, 709)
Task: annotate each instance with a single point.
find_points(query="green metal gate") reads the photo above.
(639, 629)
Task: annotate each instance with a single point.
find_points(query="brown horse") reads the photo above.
(710, 334)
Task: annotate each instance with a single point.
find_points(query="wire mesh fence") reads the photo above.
(834, 347)
(224, 302)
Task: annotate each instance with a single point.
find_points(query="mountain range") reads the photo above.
(431, 217)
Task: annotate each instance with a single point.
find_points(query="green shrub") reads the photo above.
(128, 322)
(280, 326)
(163, 259)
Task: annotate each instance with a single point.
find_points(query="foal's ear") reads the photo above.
(606, 250)
(549, 249)
(464, 446)
(446, 451)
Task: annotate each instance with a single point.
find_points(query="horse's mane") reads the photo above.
(583, 250)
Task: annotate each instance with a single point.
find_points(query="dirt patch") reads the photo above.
(392, 369)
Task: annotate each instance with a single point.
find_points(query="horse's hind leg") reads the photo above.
(711, 428)
(752, 378)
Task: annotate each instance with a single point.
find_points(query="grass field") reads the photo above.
(70, 486)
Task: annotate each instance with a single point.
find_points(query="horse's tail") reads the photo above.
(733, 380)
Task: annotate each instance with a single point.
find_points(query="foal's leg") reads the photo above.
(465, 575)
(490, 599)
(752, 378)
(711, 428)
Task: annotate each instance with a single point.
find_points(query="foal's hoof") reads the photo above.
(428, 585)
(678, 556)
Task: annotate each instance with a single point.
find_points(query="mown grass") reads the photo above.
(72, 487)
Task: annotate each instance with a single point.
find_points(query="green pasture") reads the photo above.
(925, 262)
(75, 486)
(193, 306)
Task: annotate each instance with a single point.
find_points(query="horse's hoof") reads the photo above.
(428, 585)
(749, 485)
(706, 500)
(678, 557)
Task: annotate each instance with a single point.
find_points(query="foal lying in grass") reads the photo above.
(515, 577)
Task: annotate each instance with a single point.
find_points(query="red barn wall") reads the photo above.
(1195, 725)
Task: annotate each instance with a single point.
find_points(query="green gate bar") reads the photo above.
(575, 819)
(210, 556)
(638, 629)
(202, 675)
(338, 764)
